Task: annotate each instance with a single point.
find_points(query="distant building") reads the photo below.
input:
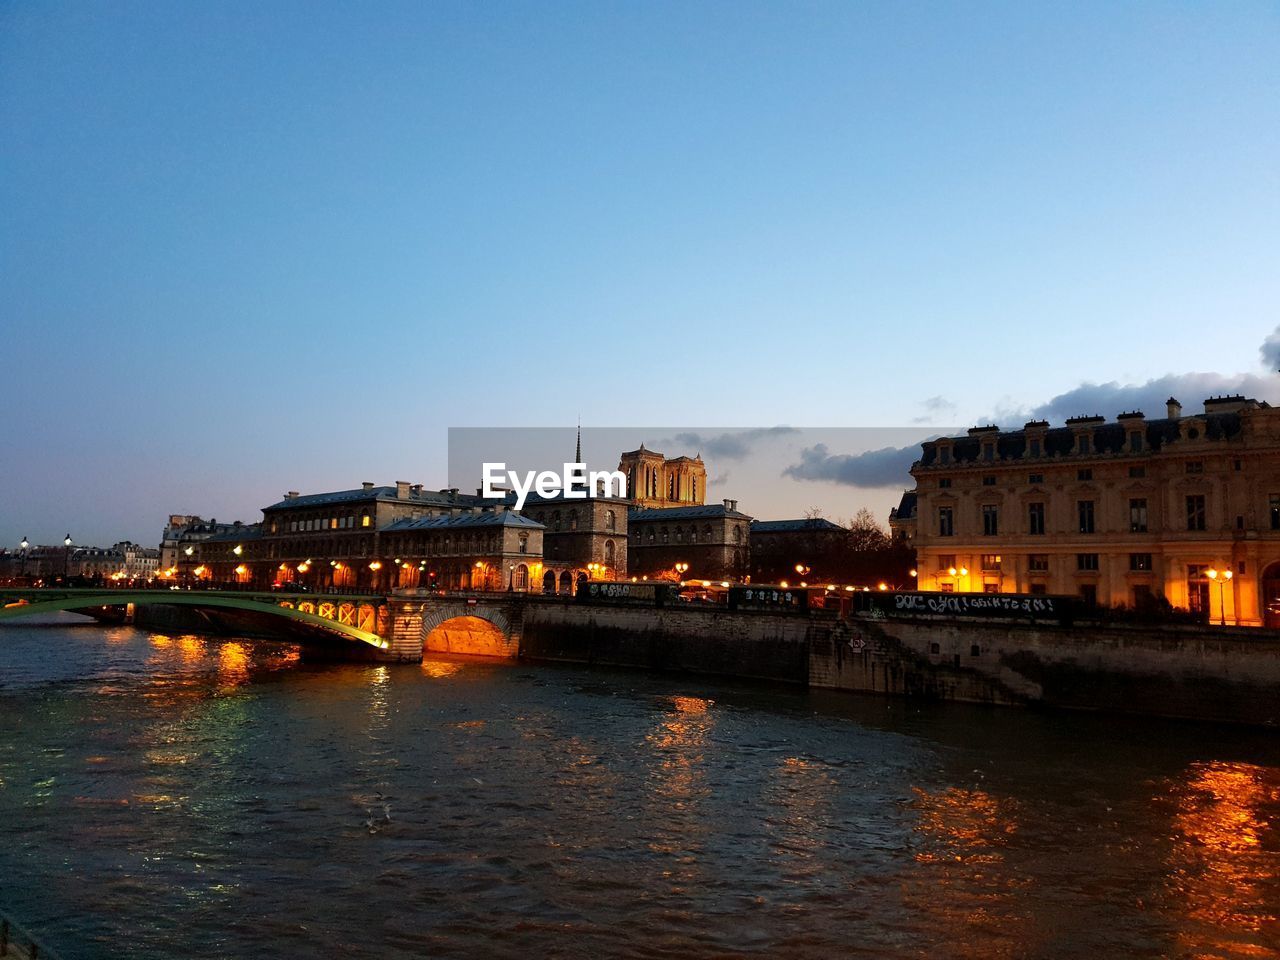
(584, 539)
(181, 533)
(779, 546)
(1135, 512)
(902, 519)
(712, 539)
(655, 482)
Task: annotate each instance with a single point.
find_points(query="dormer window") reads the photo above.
(989, 450)
(1083, 444)
(944, 454)
(1135, 441)
(1033, 447)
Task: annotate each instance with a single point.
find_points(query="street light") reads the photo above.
(22, 573)
(681, 569)
(803, 570)
(1221, 578)
(66, 556)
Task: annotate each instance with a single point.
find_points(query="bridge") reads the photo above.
(360, 618)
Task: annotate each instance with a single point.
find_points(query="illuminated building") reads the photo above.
(712, 539)
(655, 482)
(1135, 512)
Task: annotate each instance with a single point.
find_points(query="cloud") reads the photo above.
(730, 446)
(935, 405)
(886, 467)
(1112, 398)
(719, 480)
(1270, 351)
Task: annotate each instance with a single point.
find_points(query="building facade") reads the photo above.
(713, 540)
(1180, 510)
(654, 482)
(583, 539)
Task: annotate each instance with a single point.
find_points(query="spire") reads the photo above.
(577, 453)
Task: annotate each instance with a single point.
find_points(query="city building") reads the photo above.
(654, 482)
(706, 542)
(180, 535)
(1182, 510)
(584, 539)
(902, 519)
(814, 544)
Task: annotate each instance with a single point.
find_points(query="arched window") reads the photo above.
(665, 537)
(609, 520)
(573, 519)
(737, 534)
(608, 553)
(706, 533)
(555, 520)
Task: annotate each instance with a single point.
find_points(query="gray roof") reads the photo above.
(503, 518)
(250, 531)
(709, 511)
(810, 524)
(440, 498)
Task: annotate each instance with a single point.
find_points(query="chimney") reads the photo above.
(402, 489)
(416, 489)
(731, 504)
(367, 486)
(291, 495)
(1174, 407)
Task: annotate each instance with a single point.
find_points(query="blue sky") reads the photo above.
(246, 248)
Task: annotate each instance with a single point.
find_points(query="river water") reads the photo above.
(169, 796)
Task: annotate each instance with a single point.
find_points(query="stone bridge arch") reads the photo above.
(481, 629)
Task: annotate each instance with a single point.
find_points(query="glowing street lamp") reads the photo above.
(1221, 578)
(24, 544)
(681, 569)
(66, 555)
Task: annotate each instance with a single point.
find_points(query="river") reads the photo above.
(169, 796)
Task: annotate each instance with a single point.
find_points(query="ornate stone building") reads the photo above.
(583, 539)
(655, 482)
(714, 540)
(1181, 508)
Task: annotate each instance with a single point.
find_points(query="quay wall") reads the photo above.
(1200, 672)
(683, 639)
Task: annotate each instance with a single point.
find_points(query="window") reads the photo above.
(1140, 562)
(1039, 588)
(946, 522)
(1035, 518)
(1195, 466)
(974, 649)
(1086, 561)
(573, 519)
(944, 483)
(1274, 505)
(946, 587)
(991, 561)
(1138, 515)
(1089, 594)
(990, 520)
(1137, 472)
(988, 451)
(1082, 444)
(988, 481)
(1195, 511)
(944, 454)
(1142, 598)
(946, 561)
(524, 543)
(1038, 562)
(1084, 511)
(1135, 441)
(1237, 465)
(1034, 447)
(1084, 474)
(1035, 478)
(366, 520)
(610, 521)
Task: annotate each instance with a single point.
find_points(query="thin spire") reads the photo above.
(577, 453)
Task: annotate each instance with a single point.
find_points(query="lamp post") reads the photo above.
(511, 577)
(22, 571)
(681, 569)
(66, 556)
(1221, 578)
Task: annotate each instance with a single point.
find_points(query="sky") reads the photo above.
(248, 248)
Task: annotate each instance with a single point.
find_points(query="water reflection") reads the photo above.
(1224, 865)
